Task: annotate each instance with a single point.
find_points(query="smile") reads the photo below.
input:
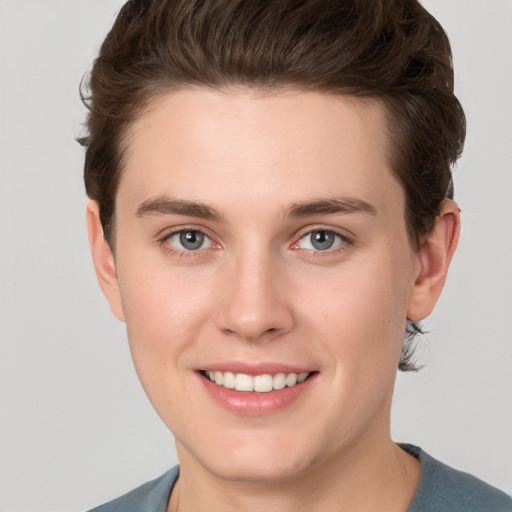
(259, 383)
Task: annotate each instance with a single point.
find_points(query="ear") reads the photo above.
(103, 260)
(434, 256)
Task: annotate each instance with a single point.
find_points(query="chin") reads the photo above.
(258, 461)
(257, 470)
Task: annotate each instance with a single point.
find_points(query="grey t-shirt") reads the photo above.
(441, 489)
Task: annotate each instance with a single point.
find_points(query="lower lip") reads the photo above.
(253, 403)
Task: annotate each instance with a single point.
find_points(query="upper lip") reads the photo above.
(254, 368)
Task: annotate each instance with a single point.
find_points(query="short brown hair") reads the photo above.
(391, 50)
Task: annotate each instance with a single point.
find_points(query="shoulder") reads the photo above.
(443, 488)
(149, 497)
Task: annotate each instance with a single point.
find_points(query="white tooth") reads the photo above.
(263, 383)
(302, 376)
(218, 378)
(229, 380)
(243, 382)
(279, 381)
(291, 379)
(211, 376)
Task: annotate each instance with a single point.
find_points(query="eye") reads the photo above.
(189, 240)
(320, 240)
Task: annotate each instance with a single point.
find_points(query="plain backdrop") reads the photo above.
(76, 428)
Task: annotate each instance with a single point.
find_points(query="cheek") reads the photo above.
(164, 318)
(361, 311)
(164, 312)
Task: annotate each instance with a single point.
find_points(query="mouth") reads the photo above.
(257, 389)
(264, 383)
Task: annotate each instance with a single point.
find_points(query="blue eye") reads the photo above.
(320, 240)
(189, 240)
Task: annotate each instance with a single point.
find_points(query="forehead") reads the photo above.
(211, 145)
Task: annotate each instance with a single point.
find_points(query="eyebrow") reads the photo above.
(164, 205)
(331, 205)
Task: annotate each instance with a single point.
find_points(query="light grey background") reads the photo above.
(76, 428)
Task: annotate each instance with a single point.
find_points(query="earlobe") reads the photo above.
(434, 255)
(103, 260)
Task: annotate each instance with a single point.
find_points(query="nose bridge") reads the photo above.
(253, 304)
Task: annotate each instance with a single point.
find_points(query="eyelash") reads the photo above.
(344, 242)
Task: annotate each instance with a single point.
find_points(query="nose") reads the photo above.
(254, 302)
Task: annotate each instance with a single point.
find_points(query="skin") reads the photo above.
(260, 292)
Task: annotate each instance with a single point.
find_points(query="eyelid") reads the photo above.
(172, 230)
(342, 232)
(321, 226)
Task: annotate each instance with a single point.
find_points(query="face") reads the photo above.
(261, 239)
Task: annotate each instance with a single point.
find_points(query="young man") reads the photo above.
(271, 213)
